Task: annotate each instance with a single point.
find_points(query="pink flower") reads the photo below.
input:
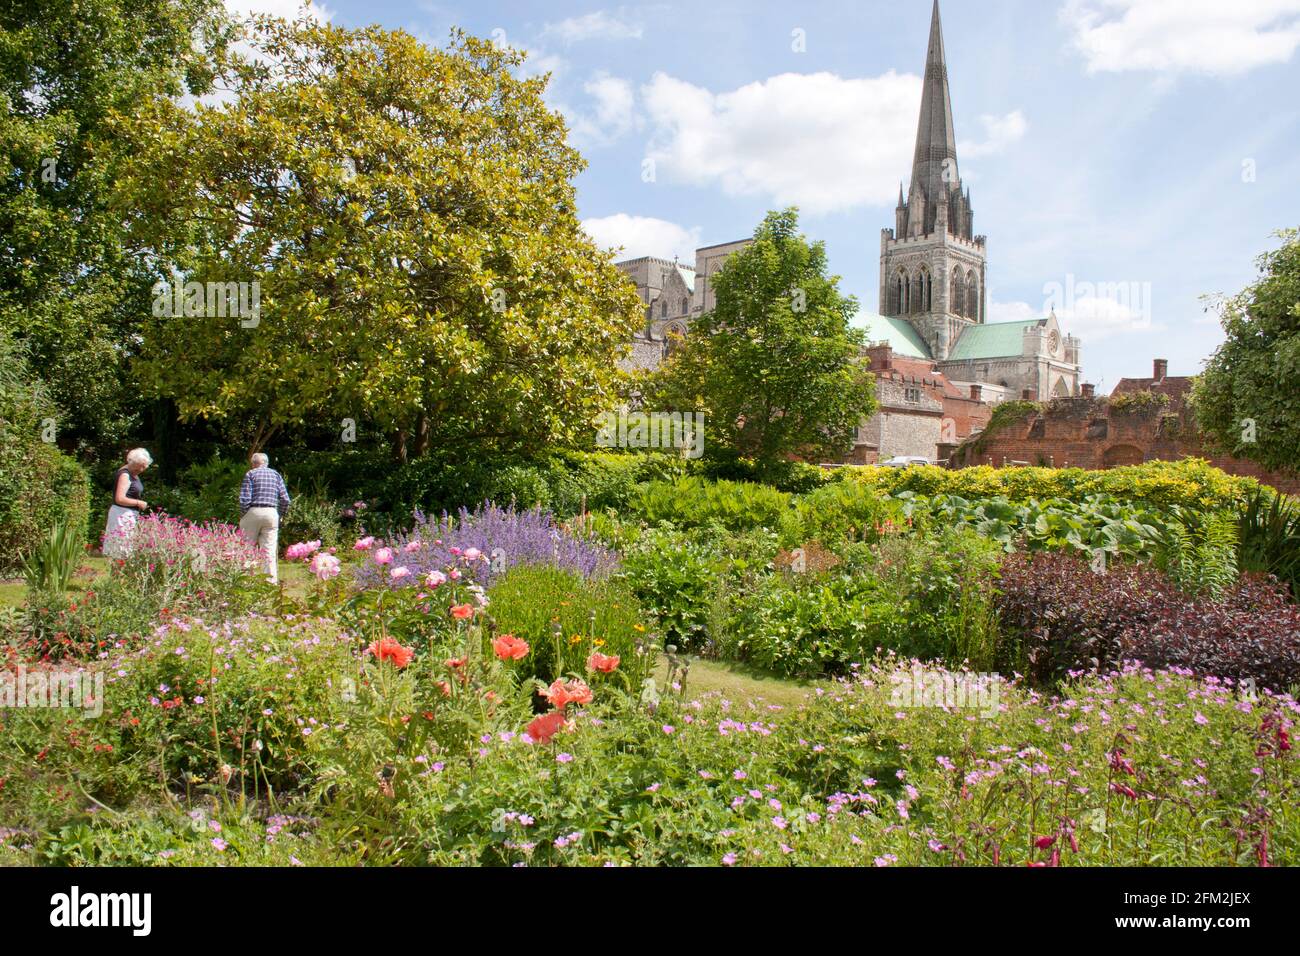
(364, 544)
(434, 578)
(324, 566)
(473, 554)
(384, 556)
(399, 572)
(412, 546)
(301, 550)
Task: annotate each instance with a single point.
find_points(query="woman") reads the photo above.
(128, 491)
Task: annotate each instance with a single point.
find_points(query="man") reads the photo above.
(263, 500)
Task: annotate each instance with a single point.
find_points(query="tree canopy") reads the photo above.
(409, 217)
(775, 366)
(1247, 400)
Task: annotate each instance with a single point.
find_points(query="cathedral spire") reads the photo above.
(934, 164)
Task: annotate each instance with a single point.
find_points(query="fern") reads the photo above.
(1200, 556)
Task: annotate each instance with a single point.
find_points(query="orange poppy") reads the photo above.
(508, 647)
(543, 728)
(387, 649)
(604, 663)
(462, 612)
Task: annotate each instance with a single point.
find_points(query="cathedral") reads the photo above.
(939, 364)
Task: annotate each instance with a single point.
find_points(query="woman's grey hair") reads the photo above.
(139, 456)
(258, 460)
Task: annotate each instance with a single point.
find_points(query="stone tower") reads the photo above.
(931, 263)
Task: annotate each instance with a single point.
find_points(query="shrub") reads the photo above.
(1071, 618)
(675, 578)
(39, 486)
(697, 502)
(1270, 537)
(311, 518)
(1191, 483)
(565, 618)
(841, 511)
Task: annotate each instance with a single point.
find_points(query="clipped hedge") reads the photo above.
(1192, 483)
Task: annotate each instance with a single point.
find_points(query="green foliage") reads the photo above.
(1201, 557)
(1005, 413)
(1098, 523)
(1137, 403)
(1270, 537)
(1191, 483)
(696, 502)
(409, 213)
(1248, 398)
(564, 618)
(69, 286)
(774, 367)
(676, 580)
(52, 563)
(40, 488)
(928, 597)
(841, 511)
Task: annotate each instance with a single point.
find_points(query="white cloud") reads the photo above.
(816, 140)
(999, 133)
(644, 236)
(613, 113)
(287, 9)
(1172, 36)
(1093, 311)
(593, 26)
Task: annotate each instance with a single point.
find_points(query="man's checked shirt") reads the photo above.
(263, 488)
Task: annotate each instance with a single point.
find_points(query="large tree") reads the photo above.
(409, 214)
(775, 366)
(69, 290)
(1247, 401)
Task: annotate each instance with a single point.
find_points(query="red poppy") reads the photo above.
(604, 663)
(561, 694)
(455, 663)
(462, 612)
(508, 647)
(387, 649)
(543, 728)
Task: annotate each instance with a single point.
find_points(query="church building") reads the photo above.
(939, 363)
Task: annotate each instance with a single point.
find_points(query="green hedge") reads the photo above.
(1192, 483)
(39, 485)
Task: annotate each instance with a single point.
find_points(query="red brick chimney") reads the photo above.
(1088, 389)
(975, 393)
(1161, 368)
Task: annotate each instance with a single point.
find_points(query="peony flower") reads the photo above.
(364, 544)
(301, 550)
(604, 663)
(412, 546)
(434, 578)
(462, 612)
(384, 556)
(473, 554)
(508, 647)
(388, 649)
(324, 566)
(399, 572)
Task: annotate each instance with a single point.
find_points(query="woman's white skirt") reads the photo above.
(117, 532)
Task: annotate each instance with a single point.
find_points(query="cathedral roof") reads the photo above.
(897, 331)
(992, 340)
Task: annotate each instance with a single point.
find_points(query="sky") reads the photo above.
(1126, 158)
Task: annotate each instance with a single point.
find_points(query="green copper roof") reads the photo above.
(688, 276)
(898, 332)
(994, 340)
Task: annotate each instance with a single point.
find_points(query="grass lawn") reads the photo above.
(739, 683)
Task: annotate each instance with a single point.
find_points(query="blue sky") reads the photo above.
(1125, 157)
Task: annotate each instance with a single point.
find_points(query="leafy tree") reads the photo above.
(410, 218)
(1247, 400)
(774, 366)
(69, 291)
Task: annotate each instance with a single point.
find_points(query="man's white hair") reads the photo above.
(259, 460)
(139, 456)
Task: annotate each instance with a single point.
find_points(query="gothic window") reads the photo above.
(685, 307)
(663, 309)
(957, 305)
(972, 296)
(907, 294)
(924, 291)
